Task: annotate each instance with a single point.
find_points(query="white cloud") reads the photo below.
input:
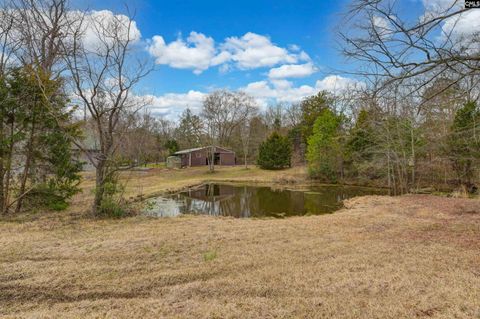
(254, 50)
(96, 20)
(382, 26)
(466, 23)
(265, 92)
(337, 84)
(435, 8)
(171, 105)
(292, 71)
(198, 52)
(278, 90)
(461, 29)
(281, 90)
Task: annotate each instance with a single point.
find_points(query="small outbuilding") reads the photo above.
(199, 156)
(174, 162)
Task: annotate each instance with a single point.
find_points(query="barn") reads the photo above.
(199, 156)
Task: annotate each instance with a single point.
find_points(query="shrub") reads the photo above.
(275, 152)
(112, 205)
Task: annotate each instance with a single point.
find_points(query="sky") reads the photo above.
(276, 51)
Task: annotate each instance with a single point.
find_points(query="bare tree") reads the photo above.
(223, 111)
(44, 27)
(397, 48)
(245, 135)
(104, 78)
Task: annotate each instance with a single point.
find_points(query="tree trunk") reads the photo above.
(99, 186)
(412, 141)
(2, 167)
(26, 169)
(8, 170)
(245, 160)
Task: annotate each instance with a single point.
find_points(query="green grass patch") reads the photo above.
(210, 255)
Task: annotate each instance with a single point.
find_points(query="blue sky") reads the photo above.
(277, 51)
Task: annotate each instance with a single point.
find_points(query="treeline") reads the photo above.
(383, 142)
(227, 118)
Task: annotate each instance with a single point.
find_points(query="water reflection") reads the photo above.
(253, 201)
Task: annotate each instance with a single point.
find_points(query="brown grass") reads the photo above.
(381, 257)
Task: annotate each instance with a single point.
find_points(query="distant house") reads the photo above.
(80, 155)
(199, 156)
(89, 148)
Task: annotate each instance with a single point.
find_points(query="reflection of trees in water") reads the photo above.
(269, 202)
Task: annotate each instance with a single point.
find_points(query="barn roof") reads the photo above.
(224, 150)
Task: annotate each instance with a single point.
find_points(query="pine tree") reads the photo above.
(275, 152)
(464, 142)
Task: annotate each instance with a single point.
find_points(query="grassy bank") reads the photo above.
(404, 257)
(157, 180)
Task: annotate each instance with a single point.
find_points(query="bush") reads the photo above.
(112, 209)
(113, 205)
(275, 152)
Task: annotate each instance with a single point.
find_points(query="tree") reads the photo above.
(275, 152)
(324, 148)
(464, 142)
(189, 132)
(36, 122)
(361, 141)
(37, 164)
(104, 79)
(172, 147)
(223, 112)
(397, 49)
(245, 133)
(311, 108)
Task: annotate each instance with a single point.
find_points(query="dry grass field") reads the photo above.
(380, 257)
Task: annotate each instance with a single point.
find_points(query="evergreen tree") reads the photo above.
(324, 147)
(275, 152)
(311, 108)
(37, 166)
(361, 139)
(172, 147)
(464, 142)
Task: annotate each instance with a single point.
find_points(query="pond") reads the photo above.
(243, 201)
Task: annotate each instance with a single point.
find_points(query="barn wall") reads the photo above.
(199, 158)
(227, 158)
(184, 160)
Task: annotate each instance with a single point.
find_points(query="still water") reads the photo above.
(254, 201)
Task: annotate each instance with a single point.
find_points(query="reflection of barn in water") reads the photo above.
(215, 200)
(241, 201)
(211, 192)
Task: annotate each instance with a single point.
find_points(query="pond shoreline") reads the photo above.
(248, 200)
(274, 184)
